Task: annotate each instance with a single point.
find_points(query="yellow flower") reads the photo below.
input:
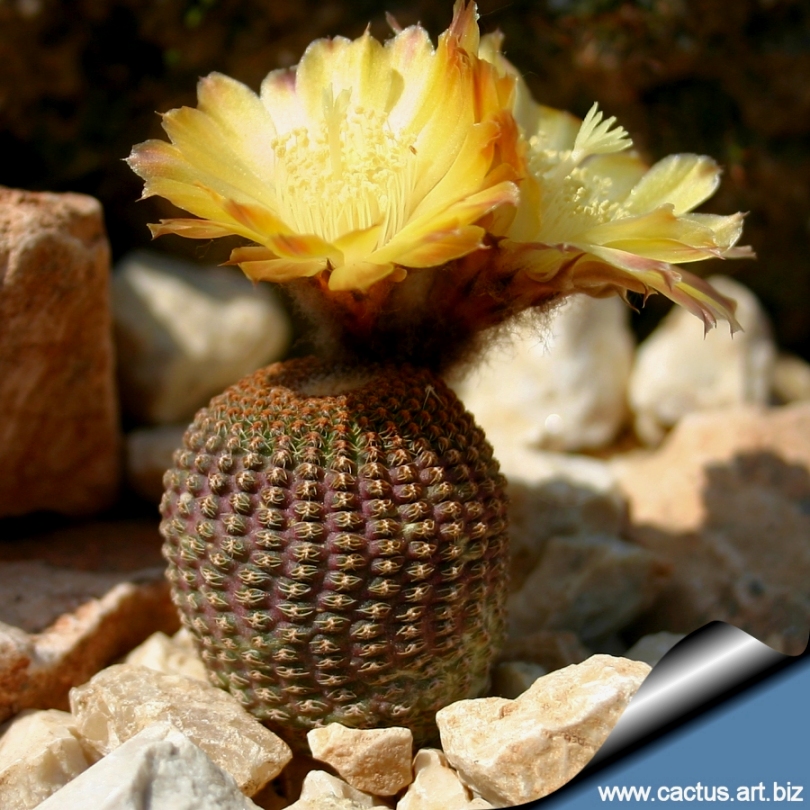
(593, 218)
(419, 195)
(364, 160)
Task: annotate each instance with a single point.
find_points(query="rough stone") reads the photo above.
(34, 594)
(172, 656)
(552, 494)
(148, 456)
(791, 379)
(38, 669)
(157, 769)
(375, 760)
(322, 791)
(59, 435)
(593, 585)
(726, 501)
(40, 753)
(512, 678)
(185, 332)
(653, 647)
(436, 786)
(515, 751)
(678, 370)
(122, 700)
(559, 388)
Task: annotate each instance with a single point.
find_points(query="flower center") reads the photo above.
(351, 174)
(572, 202)
(574, 199)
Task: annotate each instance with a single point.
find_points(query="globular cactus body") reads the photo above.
(336, 543)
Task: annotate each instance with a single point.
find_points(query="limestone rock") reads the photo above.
(725, 502)
(322, 791)
(59, 435)
(185, 332)
(436, 786)
(122, 700)
(172, 656)
(593, 585)
(37, 669)
(559, 390)
(157, 769)
(553, 494)
(375, 760)
(515, 751)
(40, 753)
(678, 370)
(653, 647)
(512, 678)
(148, 455)
(791, 379)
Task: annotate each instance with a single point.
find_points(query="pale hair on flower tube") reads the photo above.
(400, 180)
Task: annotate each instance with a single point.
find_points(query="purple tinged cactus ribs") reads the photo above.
(339, 557)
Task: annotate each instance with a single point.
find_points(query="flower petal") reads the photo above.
(298, 246)
(683, 181)
(192, 228)
(686, 289)
(438, 225)
(357, 245)
(281, 270)
(439, 247)
(359, 276)
(282, 102)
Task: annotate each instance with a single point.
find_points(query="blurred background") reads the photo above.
(81, 81)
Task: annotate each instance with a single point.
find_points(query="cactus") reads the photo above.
(337, 544)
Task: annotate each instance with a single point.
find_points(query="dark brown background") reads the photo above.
(80, 81)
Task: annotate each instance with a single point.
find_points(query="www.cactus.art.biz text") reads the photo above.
(776, 792)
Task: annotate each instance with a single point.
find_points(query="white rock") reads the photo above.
(562, 390)
(512, 678)
(375, 760)
(550, 649)
(515, 751)
(653, 647)
(122, 700)
(322, 791)
(678, 370)
(552, 494)
(158, 769)
(436, 786)
(173, 656)
(185, 332)
(724, 502)
(148, 455)
(791, 379)
(40, 753)
(591, 584)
